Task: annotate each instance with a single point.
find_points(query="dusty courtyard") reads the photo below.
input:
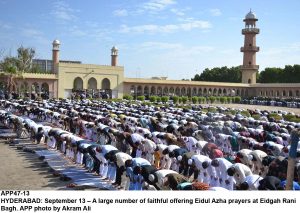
(22, 171)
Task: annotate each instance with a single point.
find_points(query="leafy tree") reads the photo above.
(184, 99)
(223, 99)
(152, 98)
(270, 75)
(164, 99)
(289, 74)
(141, 98)
(128, 97)
(220, 74)
(14, 67)
(179, 99)
(237, 99)
(212, 99)
(195, 99)
(175, 99)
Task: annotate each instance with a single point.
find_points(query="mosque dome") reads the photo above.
(56, 41)
(114, 48)
(250, 15)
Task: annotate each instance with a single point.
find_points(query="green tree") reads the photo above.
(184, 99)
(153, 98)
(127, 97)
(195, 99)
(175, 99)
(289, 74)
(14, 67)
(220, 74)
(223, 99)
(141, 98)
(179, 99)
(212, 99)
(164, 99)
(270, 75)
(237, 99)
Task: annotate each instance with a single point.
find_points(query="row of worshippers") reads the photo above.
(167, 160)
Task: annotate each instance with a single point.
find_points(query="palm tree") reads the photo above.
(10, 71)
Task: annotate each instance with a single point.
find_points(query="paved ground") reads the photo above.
(22, 171)
(253, 107)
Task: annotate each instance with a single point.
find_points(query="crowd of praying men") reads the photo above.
(289, 102)
(137, 146)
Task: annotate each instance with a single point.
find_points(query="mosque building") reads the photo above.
(61, 78)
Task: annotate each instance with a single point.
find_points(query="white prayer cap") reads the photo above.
(151, 178)
(190, 161)
(179, 158)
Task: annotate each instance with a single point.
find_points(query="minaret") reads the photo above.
(249, 67)
(114, 56)
(55, 55)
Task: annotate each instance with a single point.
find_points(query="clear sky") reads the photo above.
(173, 38)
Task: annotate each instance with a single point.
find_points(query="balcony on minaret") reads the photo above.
(250, 49)
(250, 30)
(250, 66)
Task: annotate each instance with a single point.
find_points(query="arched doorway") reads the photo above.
(171, 91)
(283, 93)
(215, 92)
(45, 91)
(177, 91)
(35, 88)
(209, 92)
(105, 84)
(166, 91)
(153, 90)
(200, 92)
(105, 87)
(92, 83)
(78, 84)
(92, 87)
(159, 91)
(194, 93)
(139, 90)
(183, 92)
(220, 92)
(132, 90)
(146, 91)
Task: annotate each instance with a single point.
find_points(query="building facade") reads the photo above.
(60, 79)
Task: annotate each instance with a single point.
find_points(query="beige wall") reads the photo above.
(249, 74)
(144, 87)
(68, 72)
(277, 90)
(181, 88)
(39, 79)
